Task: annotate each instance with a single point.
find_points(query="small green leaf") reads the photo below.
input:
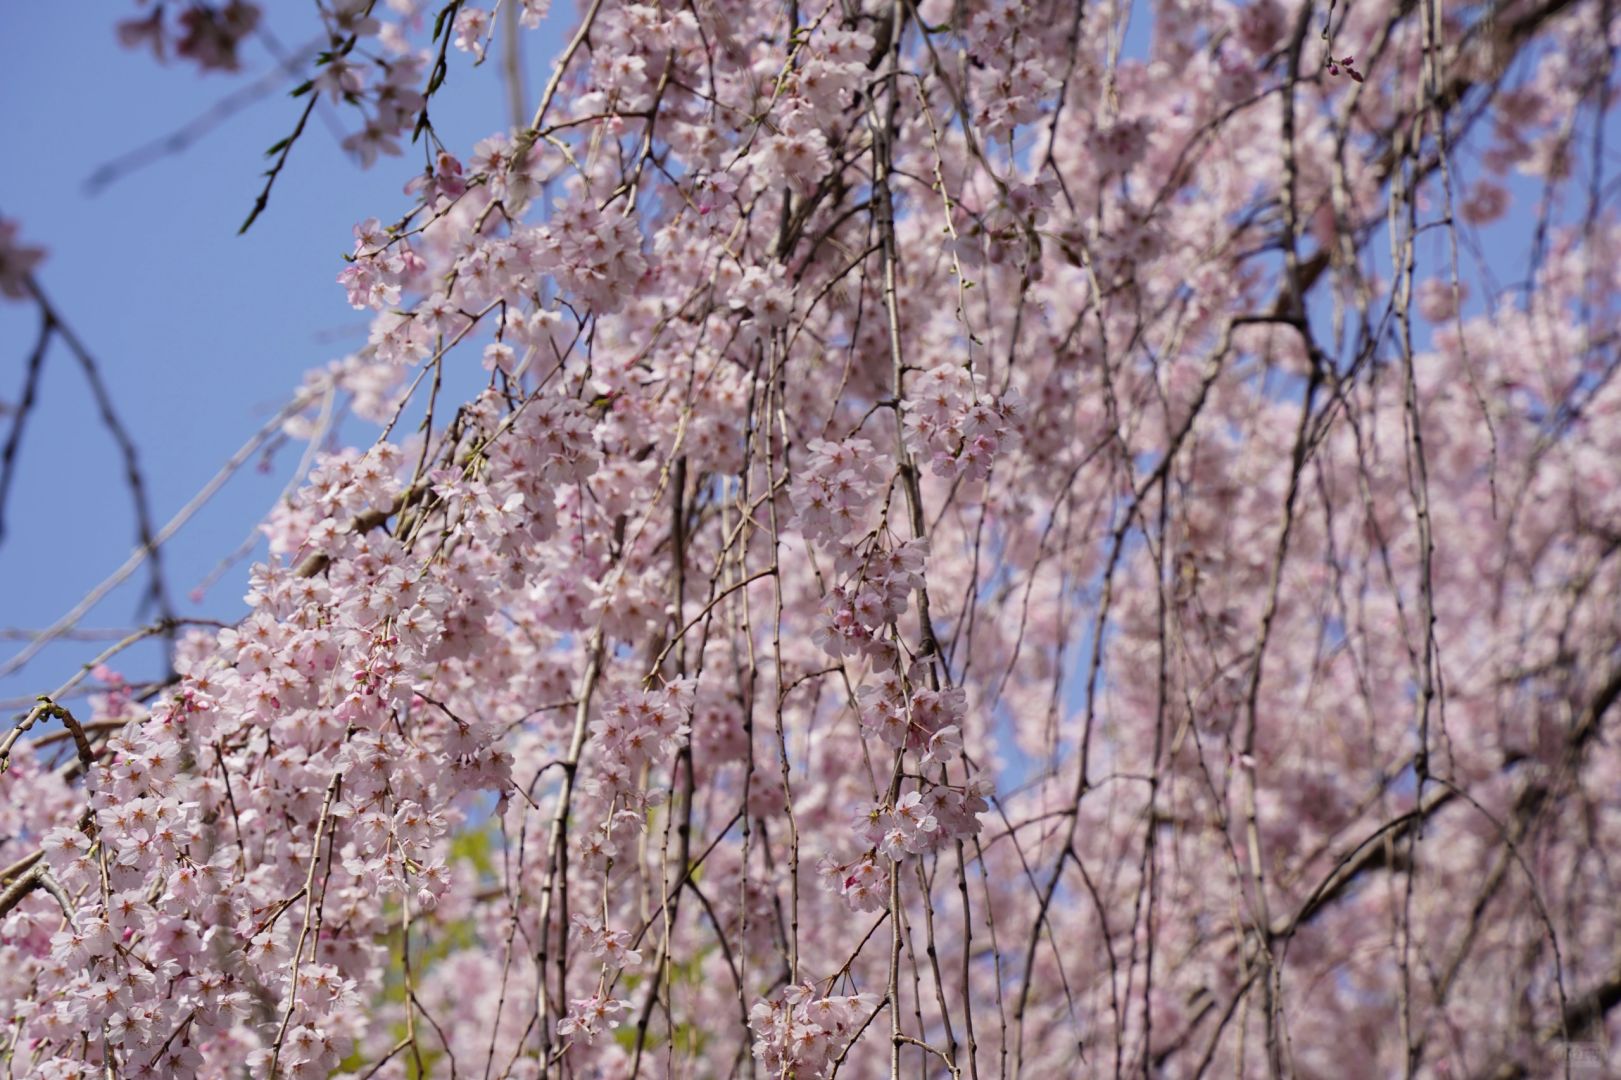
(439, 21)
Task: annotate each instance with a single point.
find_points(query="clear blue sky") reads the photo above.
(200, 333)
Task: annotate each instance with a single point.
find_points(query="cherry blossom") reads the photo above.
(962, 539)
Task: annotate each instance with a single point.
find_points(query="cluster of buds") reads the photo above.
(1347, 64)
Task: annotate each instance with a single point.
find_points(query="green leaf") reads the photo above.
(439, 21)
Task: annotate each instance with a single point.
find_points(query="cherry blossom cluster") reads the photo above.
(863, 884)
(588, 1017)
(385, 89)
(834, 491)
(207, 35)
(378, 270)
(714, 662)
(612, 947)
(877, 583)
(1012, 84)
(803, 1034)
(639, 730)
(919, 821)
(907, 716)
(955, 425)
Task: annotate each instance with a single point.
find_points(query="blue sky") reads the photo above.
(201, 334)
